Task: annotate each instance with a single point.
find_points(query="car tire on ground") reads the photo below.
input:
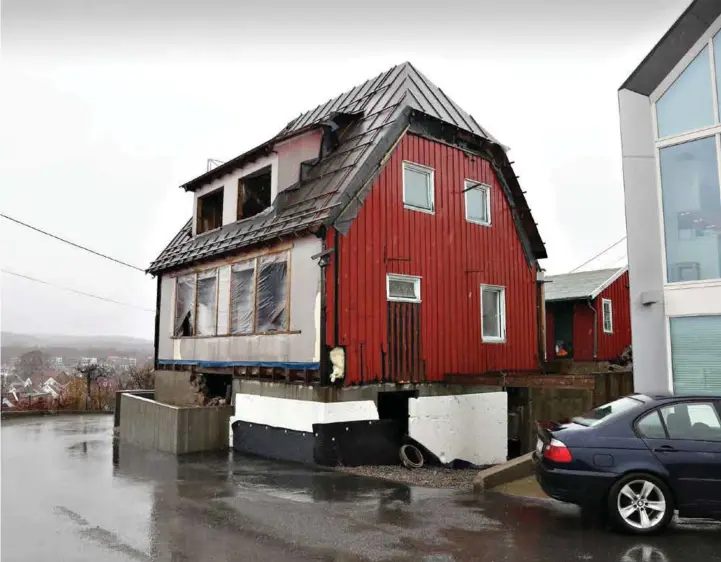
(640, 504)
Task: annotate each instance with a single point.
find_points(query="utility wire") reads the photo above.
(598, 254)
(71, 243)
(75, 291)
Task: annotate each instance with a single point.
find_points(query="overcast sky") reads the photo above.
(107, 107)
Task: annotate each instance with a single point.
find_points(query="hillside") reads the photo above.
(14, 345)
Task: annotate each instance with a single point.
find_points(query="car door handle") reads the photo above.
(665, 449)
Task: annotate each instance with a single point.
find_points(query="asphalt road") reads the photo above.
(69, 495)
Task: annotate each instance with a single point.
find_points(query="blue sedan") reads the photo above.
(639, 458)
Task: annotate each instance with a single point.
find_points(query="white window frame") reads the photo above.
(471, 185)
(420, 168)
(407, 278)
(502, 312)
(609, 303)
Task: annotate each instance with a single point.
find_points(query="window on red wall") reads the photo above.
(607, 308)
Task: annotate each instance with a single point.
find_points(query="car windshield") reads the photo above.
(610, 410)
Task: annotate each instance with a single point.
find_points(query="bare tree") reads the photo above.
(92, 372)
(141, 378)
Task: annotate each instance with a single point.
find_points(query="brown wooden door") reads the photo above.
(405, 357)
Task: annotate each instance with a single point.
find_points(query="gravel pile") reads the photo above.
(432, 477)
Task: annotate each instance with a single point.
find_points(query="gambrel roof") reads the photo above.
(375, 115)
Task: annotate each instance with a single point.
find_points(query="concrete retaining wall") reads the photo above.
(173, 387)
(472, 427)
(299, 415)
(172, 429)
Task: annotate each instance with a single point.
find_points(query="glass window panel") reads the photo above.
(273, 294)
(242, 297)
(688, 103)
(477, 204)
(184, 305)
(692, 210)
(651, 427)
(492, 314)
(417, 188)
(403, 289)
(207, 321)
(717, 59)
(696, 354)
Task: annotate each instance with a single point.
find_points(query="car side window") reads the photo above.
(696, 421)
(651, 427)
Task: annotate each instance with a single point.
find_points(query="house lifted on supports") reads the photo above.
(334, 274)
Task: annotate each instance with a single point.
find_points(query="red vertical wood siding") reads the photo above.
(550, 335)
(583, 331)
(610, 346)
(452, 256)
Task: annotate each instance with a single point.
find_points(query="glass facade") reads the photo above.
(691, 210)
(690, 188)
(688, 104)
(696, 354)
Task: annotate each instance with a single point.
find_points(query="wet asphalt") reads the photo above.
(70, 494)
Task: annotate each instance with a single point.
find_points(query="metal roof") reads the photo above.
(672, 47)
(581, 285)
(333, 189)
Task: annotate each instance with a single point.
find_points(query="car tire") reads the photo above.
(640, 504)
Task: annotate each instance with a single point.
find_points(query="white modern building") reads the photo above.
(671, 138)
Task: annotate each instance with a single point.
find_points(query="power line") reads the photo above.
(75, 291)
(598, 254)
(69, 242)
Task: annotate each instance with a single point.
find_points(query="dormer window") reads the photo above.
(210, 211)
(254, 193)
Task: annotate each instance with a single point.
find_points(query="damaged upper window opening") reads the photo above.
(184, 305)
(272, 295)
(210, 211)
(254, 193)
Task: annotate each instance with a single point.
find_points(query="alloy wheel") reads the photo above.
(641, 504)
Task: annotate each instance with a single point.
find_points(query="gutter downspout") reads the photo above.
(323, 261)
(336, 276)
(156, 339)
(595, 329)
(541, 316)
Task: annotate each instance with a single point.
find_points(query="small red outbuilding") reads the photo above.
(588, 315)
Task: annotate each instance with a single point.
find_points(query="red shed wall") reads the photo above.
(550, 335)
(610, 346)
(582, 331)
(453, 257)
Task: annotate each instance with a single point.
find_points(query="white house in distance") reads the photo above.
(670, 131)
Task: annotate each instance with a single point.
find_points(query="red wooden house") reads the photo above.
(588, 315)
(379, 242)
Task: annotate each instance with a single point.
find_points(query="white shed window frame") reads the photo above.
(609, 303)
(472, 185)
(502, 313)
(431, 189)
(416, 280)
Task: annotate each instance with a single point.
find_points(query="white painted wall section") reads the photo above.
(469, 427)
(299, 415)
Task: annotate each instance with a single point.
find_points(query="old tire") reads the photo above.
(411, 456)
(640, 504)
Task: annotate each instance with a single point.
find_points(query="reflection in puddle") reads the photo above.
(644, 553)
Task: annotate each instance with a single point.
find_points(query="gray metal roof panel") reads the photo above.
(580, 285)
(378, 104)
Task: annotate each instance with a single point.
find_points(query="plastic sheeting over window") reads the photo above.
(242, 297)
(207, 320)
(273, 293)
(184, 305)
